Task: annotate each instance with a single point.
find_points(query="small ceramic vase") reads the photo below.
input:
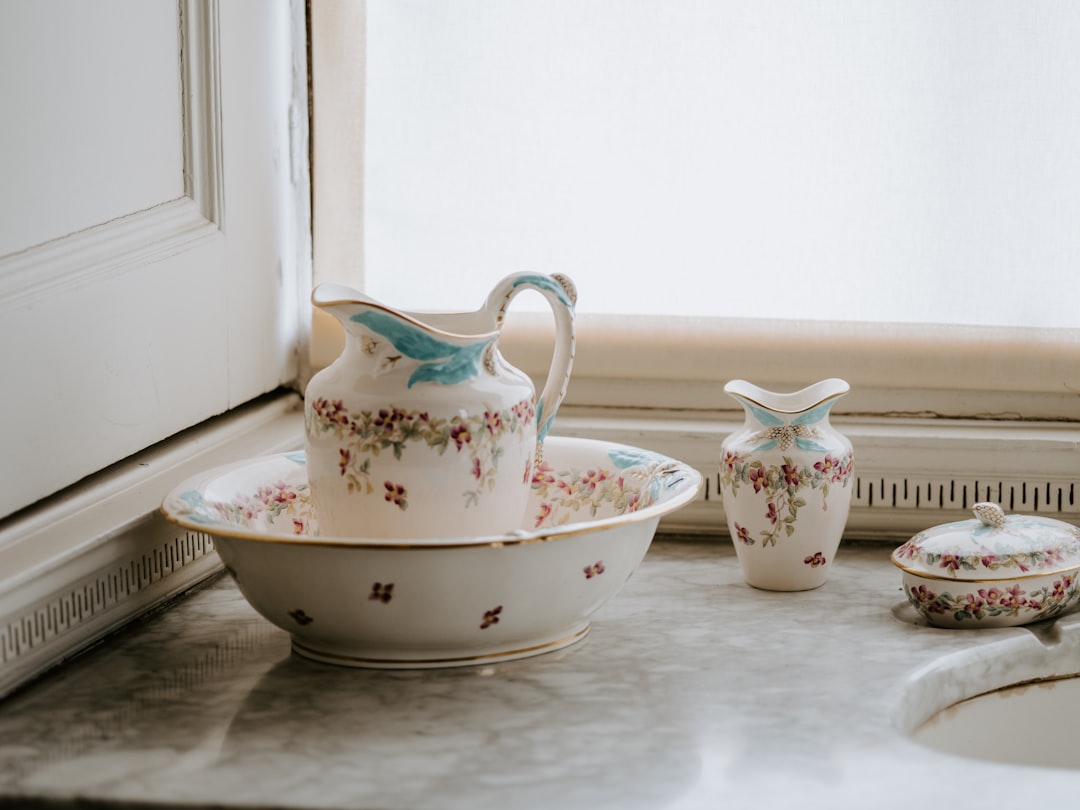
(786, 483)
(420, 428)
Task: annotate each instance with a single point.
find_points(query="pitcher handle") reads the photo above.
(561, 295)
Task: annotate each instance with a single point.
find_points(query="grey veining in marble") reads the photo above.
(692, 690)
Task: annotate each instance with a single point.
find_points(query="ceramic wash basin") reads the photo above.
(445, 600)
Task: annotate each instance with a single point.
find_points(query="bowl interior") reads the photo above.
(579, 481)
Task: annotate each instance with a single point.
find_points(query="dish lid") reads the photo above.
(991, 547)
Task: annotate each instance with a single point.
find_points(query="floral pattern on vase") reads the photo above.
(782, 485)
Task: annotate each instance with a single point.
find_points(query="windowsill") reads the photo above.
(85, 563)
(81, 564)
(907, 370)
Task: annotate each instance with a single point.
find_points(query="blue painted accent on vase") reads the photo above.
(767, 418)
(815, 414)
(769, 445)
(812, 446)
(548, 284)
(300, 457)
(454, 364)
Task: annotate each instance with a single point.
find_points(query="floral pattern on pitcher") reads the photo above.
(994, 601)
(365, 435)
(783, 486)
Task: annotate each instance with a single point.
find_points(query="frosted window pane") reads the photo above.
(892, 160)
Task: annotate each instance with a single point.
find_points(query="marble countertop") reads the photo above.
(691, 691)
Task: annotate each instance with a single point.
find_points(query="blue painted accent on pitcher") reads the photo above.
(807, 444)
(463, 365)
(542, 428)
(455, 363)
(548, 284)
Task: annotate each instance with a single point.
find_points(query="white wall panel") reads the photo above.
(165, 290)
(92, 115)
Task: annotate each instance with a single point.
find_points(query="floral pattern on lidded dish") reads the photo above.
(997, 570)
(993, 546)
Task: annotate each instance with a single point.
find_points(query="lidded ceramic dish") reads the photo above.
(996, 570)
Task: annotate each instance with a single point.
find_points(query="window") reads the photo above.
(882, 191)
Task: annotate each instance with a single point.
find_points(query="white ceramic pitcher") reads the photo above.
(420, 428)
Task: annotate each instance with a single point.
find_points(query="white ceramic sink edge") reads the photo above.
(995, 699)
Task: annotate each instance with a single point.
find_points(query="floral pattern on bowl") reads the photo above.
(629, 482)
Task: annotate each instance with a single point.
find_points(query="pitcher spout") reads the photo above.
(392, 340)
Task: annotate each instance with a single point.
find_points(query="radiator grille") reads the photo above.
(90, 598)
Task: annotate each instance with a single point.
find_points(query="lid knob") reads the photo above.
(990, 514)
